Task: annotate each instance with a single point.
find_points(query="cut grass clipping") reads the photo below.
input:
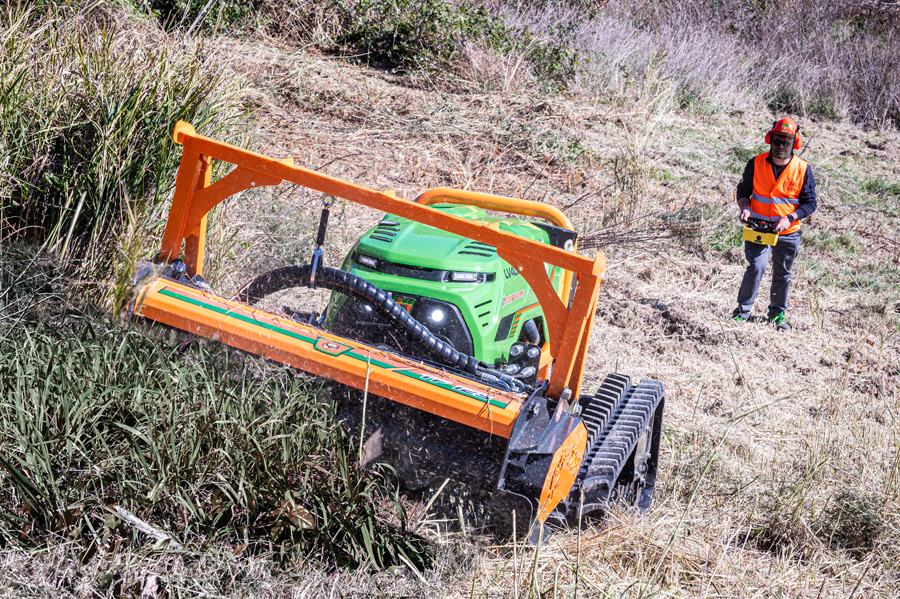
(197, 447)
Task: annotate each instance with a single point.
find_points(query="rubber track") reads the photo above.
(615, 447)
(599, 412)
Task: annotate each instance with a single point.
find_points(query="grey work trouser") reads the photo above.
(783, 255)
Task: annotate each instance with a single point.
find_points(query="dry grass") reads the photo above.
(763, 431)
(217, 572)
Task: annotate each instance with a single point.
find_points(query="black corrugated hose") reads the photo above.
(344, 282)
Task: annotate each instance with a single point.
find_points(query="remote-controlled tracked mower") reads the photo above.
(469, 331)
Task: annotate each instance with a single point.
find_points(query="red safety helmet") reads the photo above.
(785, 126)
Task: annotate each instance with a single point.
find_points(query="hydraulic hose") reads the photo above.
(349, 284)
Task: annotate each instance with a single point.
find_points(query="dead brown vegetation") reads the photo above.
(764, 432)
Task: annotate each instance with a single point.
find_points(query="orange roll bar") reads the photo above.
(445, 195)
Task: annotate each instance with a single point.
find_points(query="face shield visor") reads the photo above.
(782, 146)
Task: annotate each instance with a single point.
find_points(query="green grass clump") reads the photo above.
(192, 443)
(782, 527)
(876, 278)
(882, 187)
(191, 14)
(88, 101)
(843, 243)
(789, 99)
(726, 238)
(411, 33)
(853, 521)
(739, 156)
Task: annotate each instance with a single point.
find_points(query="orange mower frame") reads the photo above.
(569, 328)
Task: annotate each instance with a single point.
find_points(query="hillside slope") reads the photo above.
(780, 468)
(780, 464)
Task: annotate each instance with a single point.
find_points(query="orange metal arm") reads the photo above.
(569, 329)
(318, 352)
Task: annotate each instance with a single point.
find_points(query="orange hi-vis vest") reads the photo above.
(773, 199)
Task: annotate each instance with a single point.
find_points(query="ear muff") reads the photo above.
(769, 133)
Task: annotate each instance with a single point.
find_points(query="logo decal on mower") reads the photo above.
(405, 302)
(514, 297)
(330, 347)
(439, 382)
(517, 320)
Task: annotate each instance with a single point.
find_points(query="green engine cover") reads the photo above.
(450, 283)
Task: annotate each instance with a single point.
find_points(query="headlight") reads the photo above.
(436, 316)
(367, 261)
(465, 277)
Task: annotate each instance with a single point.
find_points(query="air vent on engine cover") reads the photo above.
(476, 248)
(385, 231)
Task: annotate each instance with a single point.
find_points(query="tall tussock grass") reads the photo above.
(88, 100)
(198, 446)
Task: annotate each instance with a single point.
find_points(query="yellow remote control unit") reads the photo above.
(759, 237)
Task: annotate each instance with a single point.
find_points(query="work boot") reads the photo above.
(780, 322)
(738, 316)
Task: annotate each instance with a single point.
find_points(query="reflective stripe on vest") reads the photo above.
(771, 198)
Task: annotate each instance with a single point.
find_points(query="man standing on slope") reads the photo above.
(777, 188)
